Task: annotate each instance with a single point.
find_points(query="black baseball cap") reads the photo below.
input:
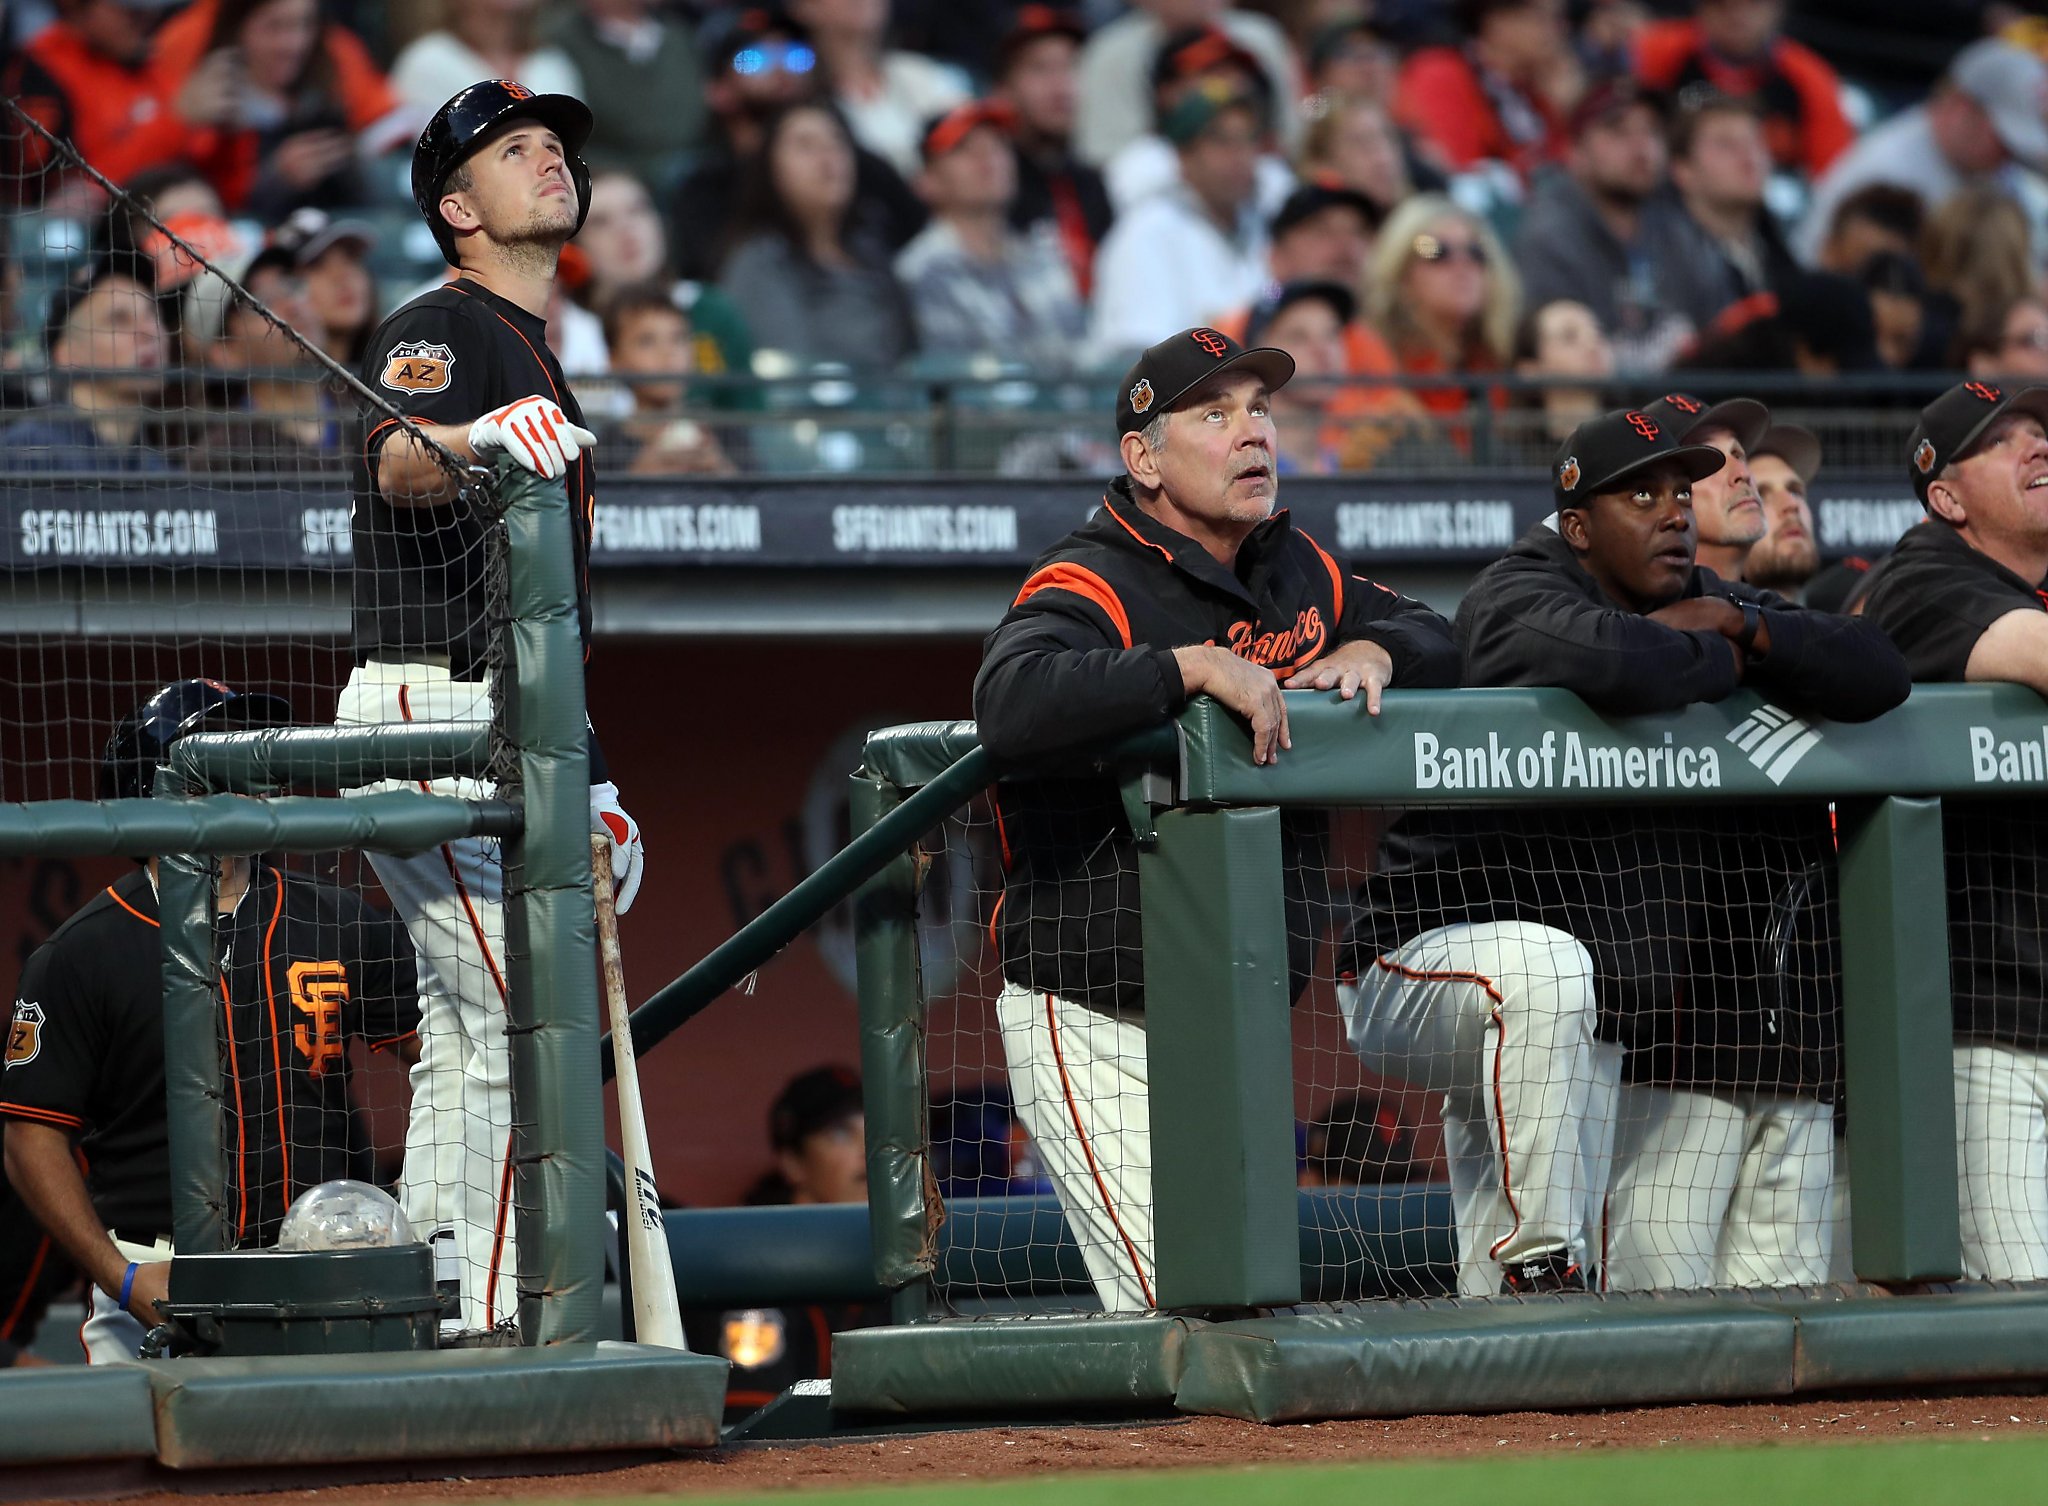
(1605, 451)
(1170, 370)
(1030, 24)
(1341, 300)
(1797, 446)
(1953, 422)
(1744, 417)
(1311, 199)
(813, 1101)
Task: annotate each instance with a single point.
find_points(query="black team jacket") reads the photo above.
(1712, 928)
(1085, 655)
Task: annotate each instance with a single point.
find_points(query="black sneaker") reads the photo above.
(1545, 1271)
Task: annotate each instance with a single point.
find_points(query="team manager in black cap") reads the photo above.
(1187, 581)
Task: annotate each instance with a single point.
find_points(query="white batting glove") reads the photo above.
(609, 819)
(535, 433)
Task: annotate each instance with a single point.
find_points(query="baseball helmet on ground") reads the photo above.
(143, 740)
(463, 124)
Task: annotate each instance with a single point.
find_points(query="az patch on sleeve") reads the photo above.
(417, 366)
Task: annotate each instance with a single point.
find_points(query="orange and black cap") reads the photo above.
(950, 129)
(1953, 423)
(1603, 452)
(1744, 417)
(1170, 370)
(1032, 23)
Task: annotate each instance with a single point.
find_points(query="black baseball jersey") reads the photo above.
(448, 357)
(1936, 596)
(303, 968)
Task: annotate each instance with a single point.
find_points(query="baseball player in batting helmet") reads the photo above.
(499, 177)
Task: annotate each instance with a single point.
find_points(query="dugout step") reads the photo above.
(444, 1404)
(70, 1414)
(1967, 1334)
(1547, 1353)
(1011, 1366)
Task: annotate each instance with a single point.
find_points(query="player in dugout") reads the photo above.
(1186, 582)
(1961, 595)
(305, 969)
(499, 178)
(1510, 959)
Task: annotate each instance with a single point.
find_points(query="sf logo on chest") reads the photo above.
(319, 991)
(418, 366)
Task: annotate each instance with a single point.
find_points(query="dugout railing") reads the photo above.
(1232, 1332)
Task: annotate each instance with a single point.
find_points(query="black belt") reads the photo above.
(432, 658)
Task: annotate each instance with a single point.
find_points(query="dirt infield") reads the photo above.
(1210, 1442)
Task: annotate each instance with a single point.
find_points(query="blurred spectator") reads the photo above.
(1358, 1141)
(1720, 168)
(107, 350)
(1735, 47)
(1910, 335)
(1202, 57)
(757, 62)
(333, 257)
(1486, 101)
(817, 1127)
(886, 96)
(1984, 118)
(275, 419)
(1183, 257)
(1598, 235)
(966, 33)
(165, 266)
(482, 39)
(296, 104)
(1308, 321)
(1352, 58)
(809, 287)
(85, 78)
(1117, 62)
(649, 342)
(1976, 249)
(979, 1149)
(1444, 294)
(1354, 142)
(2008, 344)
(977, 286)
(643, 80)
(1879, 217)
(623, 245)
(1783, 464)
(1036, 77)
(1818, 325)
(1562, 340)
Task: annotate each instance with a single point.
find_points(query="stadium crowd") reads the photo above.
(1419, 199)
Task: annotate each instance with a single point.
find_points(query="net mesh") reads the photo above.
(1531, 1049)
(181, 456)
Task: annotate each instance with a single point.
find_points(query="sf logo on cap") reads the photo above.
(1923, 457)
(1984, 392)
(1141, 395)
(1568, 473)
(1212, 342)
(1643, 424)
(1682, 403)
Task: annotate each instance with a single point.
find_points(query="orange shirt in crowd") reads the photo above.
(1441, 99)
(1799, 94)
(228, 155)
(113, 114)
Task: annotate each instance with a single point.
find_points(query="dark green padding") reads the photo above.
(453, 1404)
(65, 1413)
(1543, 1354)
(1010, 1365)
(1932, 1339)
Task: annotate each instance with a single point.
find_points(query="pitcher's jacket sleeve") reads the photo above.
(1060, 670)
(1846, 669)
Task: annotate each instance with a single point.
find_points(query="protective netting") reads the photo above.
(196, 539)
(1535, 1049)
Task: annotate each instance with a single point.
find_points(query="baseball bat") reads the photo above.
(656, 1317)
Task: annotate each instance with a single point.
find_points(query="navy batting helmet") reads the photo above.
(464, 123)
(143, 740)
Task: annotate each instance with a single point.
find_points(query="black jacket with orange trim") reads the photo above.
(1085, 655)
(304, 970)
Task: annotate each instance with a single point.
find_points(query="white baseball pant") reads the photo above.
(2002, 1160)
(457, 1184)
(1499, 1016)
(110, 1333)
(1078, 1077)
(1720, 1190)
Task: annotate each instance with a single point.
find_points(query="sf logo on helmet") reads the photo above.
(1643, 424)
(1212, 342)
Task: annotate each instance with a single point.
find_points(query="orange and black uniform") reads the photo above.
(1794, 87)
(1085, 655)
(111, 111)
(303, 969)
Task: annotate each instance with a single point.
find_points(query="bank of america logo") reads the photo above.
(1774, 740)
